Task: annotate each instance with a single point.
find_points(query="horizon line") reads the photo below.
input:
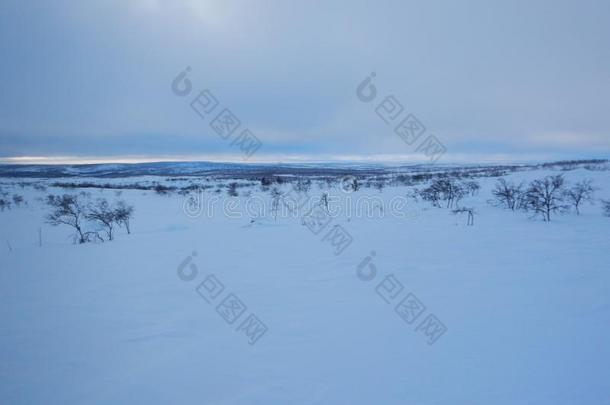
(283, 159)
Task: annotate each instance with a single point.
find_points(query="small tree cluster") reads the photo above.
(72, 211)
(546, 196)
(449, 190)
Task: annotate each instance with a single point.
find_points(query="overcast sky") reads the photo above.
(492, 80)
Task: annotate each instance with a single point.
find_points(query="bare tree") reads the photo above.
(458, 191)
(507, 194)
(472, 187)
(579, 193)
(102, 213)
(545, 196)
(123, 214)
(68, 210)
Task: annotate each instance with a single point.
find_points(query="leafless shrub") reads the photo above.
(432, 194)
(448, 190)
(579, 193)
(123, 214)
(102, 213)
(68, 210)
(545, 196)
(507, 194)
(472, 187)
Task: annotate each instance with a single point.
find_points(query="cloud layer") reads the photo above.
(522, 78)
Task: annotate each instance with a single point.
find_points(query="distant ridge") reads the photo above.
(118, 170)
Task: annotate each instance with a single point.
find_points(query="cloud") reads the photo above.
(578, 140)
(101, 70)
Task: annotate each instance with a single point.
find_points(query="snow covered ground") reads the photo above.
(523, 306)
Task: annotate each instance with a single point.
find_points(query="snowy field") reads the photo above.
(512, 310)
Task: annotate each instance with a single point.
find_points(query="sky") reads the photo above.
(491, 81)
